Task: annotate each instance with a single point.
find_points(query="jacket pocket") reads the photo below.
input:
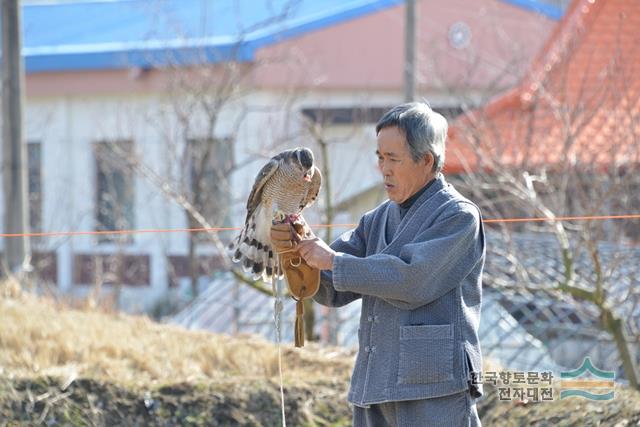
(426, 354)
(472, 362)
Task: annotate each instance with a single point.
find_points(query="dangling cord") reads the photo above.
(277, 310)
(299, 325)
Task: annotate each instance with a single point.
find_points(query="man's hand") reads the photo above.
(317, 253)
(284, 238)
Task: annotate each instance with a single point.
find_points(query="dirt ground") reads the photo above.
(42, 401)
(622, 411)
(45, 401)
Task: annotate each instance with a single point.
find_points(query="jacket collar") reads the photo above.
(393, 210)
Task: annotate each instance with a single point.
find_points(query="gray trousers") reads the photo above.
(456, 410)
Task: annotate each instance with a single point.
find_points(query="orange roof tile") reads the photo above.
(580, 102)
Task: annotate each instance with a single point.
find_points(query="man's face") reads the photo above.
(402, 176)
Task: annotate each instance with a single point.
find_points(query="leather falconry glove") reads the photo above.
(302, 280)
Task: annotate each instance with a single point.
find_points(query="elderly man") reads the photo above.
(416, 261)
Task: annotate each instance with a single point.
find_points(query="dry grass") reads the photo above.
(39, 337)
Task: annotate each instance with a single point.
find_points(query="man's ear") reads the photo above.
(429, 161)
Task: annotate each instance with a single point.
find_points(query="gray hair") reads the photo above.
(424, 129)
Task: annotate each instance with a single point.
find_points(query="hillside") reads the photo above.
(64, 366)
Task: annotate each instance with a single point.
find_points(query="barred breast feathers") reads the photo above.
(285, 185)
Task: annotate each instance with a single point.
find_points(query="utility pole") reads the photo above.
(16, 215)
(410, 50)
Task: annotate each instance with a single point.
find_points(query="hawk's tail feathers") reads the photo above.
(253, 251)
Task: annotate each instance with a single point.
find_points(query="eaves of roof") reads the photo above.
(548, 10)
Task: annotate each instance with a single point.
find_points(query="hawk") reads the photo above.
(283, 188)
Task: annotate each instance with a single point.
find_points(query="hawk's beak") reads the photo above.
(307, 177)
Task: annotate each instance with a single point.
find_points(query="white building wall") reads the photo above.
(261, 124)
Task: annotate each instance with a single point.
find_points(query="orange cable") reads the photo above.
(195, 230)
(563, 218)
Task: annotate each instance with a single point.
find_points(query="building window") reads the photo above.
(112, 269)
(114, 189)
(210, 164)
(34, 184)
(178, 267)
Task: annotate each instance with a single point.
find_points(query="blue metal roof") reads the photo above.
(543, 7)
(145, 33)
(108, 34)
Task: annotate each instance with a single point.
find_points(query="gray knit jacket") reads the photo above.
(421, 296)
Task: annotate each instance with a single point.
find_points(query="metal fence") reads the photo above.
(527, 322)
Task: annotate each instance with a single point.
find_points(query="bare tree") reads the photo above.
(567, 143)
(328, 128)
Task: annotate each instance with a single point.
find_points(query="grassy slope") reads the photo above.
(87, 367)
(60, 366)
(40, 337)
